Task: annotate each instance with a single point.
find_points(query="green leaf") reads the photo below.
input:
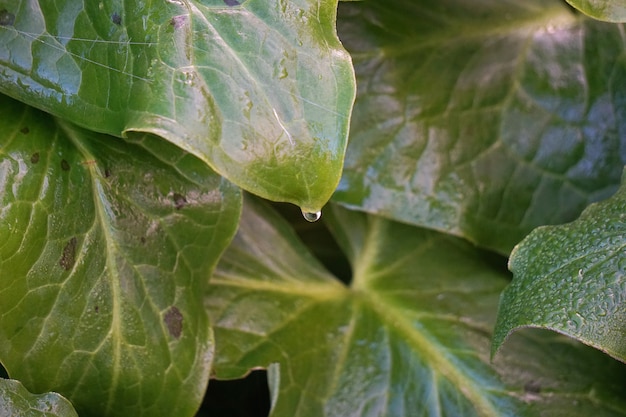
(16, 401)
(485, 119)
(572, 279)
(607, 10)
(106, 249)
(410, 336)
(261, 90)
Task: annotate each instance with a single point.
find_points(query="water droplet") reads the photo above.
(311, 216)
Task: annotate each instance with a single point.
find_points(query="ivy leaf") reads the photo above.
(484, 120)
(16, 401)
(409, 336)
(105, 251)
(572, 279)
(259, 90)
(607, 10)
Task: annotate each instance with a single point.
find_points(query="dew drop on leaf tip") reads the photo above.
(311, 216)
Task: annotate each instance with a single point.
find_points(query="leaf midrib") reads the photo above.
(116, 314)
(431, 352)
(393, 318)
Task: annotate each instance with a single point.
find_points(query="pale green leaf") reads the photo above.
(608, 10)
(482, 119)
(16, 401)
(572, 279)
(261, 90)
(409, 337)
(106, 249)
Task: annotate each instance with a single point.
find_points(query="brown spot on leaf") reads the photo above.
(116, 18)
(69, 254)
(532, 387)
(34, 158)
(6, 18)
(173, 319)
(232, 3)
(25, 130)
(179, 201)
(96, 309)
(107, 173)
(65, 166)
(178, 22)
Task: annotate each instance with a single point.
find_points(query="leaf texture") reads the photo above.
(572, 279)
(409, 337)
(16, 401)
(607, 10)
(482, 119)
(259, 90)
(106, 248)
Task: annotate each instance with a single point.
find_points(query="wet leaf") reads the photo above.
(410, 335)
(572, 279)
(484, 119)
(259, 90)
(607, 10)
(16, 401)
(101, 271)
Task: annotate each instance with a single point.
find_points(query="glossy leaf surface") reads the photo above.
(16, 401)
(608, 10)
(482, 119)
(410, 336)
(105, 251)
(572, 279)
(260, 90)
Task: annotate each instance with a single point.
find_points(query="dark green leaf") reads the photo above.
(572, 279)
(16, 401)
(409, 337)
(608, 10)
(483, 119)
(106, 249)
(261, 90)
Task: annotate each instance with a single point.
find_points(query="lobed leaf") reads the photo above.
(482, 119)
(607, 10)
(572, 279)
(259, 90)
(106, 249)
(16, 401)
(410, 336)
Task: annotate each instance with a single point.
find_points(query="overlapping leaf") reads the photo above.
(16, 401)
(483, 119)
(409, 337)
(572, 279)
(608, 10)
(105, 251)
(260, 90)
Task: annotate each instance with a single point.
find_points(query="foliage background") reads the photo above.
(473, 121)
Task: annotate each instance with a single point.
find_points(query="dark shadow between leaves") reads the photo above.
(246, 397)
(318, 239)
